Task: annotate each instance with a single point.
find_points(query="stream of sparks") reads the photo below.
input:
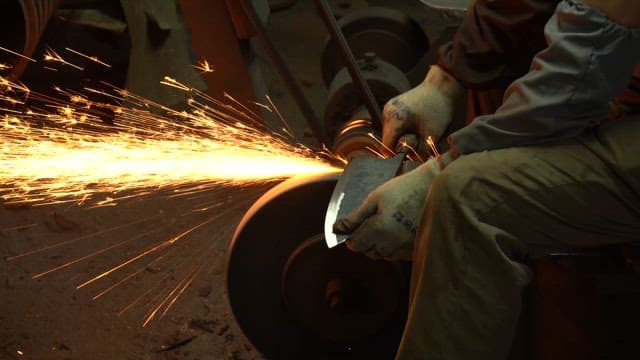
(60, 149)
(65, 152)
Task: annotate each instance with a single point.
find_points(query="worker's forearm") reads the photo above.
(496, 41)
(588, 61)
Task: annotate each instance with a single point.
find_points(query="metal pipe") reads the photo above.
(285, 73)
(361, 85)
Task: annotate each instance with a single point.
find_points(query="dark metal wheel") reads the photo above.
(390, 34)
(294, 298)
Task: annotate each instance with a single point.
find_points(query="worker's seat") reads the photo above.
(583, 304)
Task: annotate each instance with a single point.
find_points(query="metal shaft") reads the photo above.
(361, 85)
(285, 73)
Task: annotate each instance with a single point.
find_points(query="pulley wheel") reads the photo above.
(344, 101)
(296, 299)
(390, 34)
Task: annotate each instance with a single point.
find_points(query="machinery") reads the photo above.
(291, 294)
(294, 297)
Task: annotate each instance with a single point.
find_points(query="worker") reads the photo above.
(550, 169)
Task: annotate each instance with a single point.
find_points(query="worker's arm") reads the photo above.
(588, 61)
(496, 41)
(493, 46)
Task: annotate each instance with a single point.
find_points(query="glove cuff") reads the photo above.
(444, 82)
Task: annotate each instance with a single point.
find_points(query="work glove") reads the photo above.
(425, 110)
(384, 226)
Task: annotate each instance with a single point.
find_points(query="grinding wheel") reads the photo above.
(294, 298)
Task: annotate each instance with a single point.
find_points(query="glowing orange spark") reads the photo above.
(179, 289)
(93, 254)
(432, 145)
(128, 277)
(413, 154)
(51, 55)
(17, 54)
(97, 233)
(169, 81)
(184, 287)
(140, 297)
(286, 128)
(144, 253)
(385, 147)
(62, 151)
(375, 152)
(92, 58)
(204, 66)
(79, 156)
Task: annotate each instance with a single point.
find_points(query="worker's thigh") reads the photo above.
(571, 193)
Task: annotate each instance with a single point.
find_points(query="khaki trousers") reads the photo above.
(488, 213)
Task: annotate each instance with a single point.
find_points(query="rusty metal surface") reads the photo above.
(214, 38)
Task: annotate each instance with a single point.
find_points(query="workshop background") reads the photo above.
(48, 317)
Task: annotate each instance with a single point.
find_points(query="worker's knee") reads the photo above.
(454, 181)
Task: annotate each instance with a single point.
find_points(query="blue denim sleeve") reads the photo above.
(588, 61)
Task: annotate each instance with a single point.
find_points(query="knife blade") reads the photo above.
(361, 176)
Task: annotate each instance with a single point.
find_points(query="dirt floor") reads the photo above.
(49, 318)
(64, 314)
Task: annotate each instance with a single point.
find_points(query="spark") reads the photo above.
(287, 128)
(93, 254)
(75, 156)
(412, 151)
(88, 57)
(19, 227)
(382, 145)
(189, 280)
(141, 296)
(177, 290)
(59, 150)
(17, 54)
(63, 243)
(141, 255)
(375, 152)
(128, 277)
(52, 56)
(204, 66)
(432, 146)
(169, 81)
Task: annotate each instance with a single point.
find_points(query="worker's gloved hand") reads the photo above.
(385, 224)
(425, 110)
